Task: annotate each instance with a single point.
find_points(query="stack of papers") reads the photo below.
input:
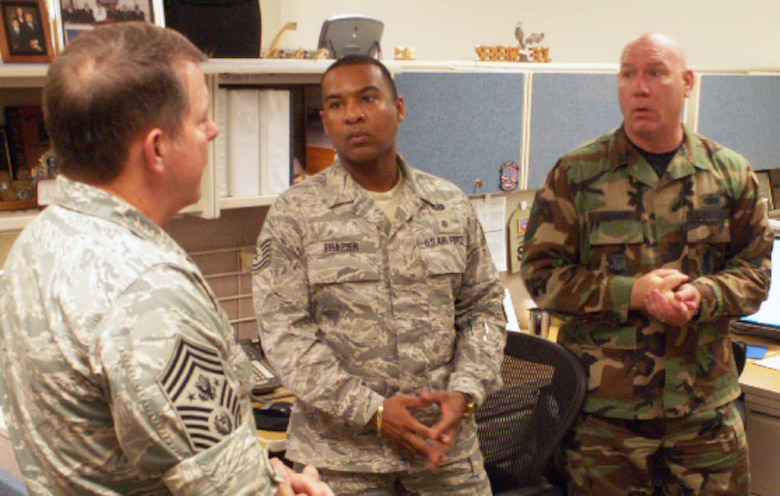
(772, 362)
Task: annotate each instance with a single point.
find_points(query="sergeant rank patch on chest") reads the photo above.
(194, 381)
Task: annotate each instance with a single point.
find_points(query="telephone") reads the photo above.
(265, 379)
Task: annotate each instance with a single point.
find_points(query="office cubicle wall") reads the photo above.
(742, 112)
(567, 110)
(465, 125)
(462, 125)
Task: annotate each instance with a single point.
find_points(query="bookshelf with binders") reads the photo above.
(268, 134)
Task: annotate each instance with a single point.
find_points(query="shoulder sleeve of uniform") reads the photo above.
(173, 376)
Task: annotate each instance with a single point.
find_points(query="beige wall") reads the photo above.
(716, 33)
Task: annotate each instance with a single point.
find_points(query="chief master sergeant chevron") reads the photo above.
(373, 283)
(646, 242)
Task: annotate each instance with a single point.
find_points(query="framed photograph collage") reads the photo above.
(34, 31)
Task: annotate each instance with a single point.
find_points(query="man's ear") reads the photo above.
(689, 79)
(154, 150)
(400, 108)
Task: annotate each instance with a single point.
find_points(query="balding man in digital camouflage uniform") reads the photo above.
(121, 374)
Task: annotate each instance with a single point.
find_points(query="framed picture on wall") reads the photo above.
(765, 187)
(25, 31)
(77, 16)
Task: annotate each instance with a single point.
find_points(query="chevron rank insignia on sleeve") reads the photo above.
(194, 381)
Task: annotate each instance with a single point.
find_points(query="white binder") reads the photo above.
(274, 141)
(221, 143)
(243, 138)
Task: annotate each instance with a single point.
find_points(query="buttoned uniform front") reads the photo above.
(602, 219)
(354, 308)
(138, 385)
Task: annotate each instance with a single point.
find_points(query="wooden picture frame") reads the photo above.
(765, 187)
(25, 31)
(77, 16)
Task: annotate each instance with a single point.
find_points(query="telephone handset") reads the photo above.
(265, 380)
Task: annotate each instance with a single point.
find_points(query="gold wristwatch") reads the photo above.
(471, 406)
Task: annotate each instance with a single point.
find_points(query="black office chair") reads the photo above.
(522, 425)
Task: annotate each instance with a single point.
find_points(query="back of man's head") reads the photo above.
(109, 86)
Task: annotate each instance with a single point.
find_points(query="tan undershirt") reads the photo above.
(388, 201)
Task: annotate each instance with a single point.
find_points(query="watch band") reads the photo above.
(471, 406)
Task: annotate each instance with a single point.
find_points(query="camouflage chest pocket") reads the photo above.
(615, 239)
(444, 259)
(708, 234)
(343, 275)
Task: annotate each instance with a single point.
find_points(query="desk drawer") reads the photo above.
(763, 433)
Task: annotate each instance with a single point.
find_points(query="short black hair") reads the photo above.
(364, 60)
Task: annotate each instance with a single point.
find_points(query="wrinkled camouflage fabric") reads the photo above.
(465, 477)
(704, 453)
(121, 372)
(602, 219)
(353, 308)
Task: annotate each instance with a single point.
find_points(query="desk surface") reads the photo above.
(759, 380)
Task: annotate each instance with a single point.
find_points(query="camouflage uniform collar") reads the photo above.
(690, 156)
(349, 191)
(97, 202)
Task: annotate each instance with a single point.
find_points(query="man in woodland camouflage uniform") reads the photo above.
(380, 306)
(646, 242)
(121, 375)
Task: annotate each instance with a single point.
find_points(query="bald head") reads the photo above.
(653, 83)
(664, 47)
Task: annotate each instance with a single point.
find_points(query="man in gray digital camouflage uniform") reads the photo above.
(646, 242)
(380, 306)
(120, 371)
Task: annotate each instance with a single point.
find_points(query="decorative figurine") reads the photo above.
(527, 49)
(405, 53)
(528, 52)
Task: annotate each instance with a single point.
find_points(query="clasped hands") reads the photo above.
(431, 443)
(666, 295)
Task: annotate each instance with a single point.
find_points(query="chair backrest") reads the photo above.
(740, 355)
(521, 425)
